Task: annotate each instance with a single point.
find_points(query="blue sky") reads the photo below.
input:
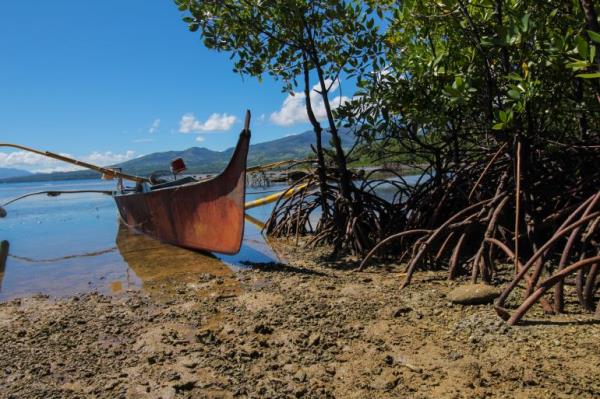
(114, 79)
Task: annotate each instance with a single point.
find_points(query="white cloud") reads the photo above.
(293, 109)
(40, 164)
(108, 157)
(199, 139)
(215, 122)
(154, 127)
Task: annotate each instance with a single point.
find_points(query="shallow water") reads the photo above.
(74, 243)
(60, 246)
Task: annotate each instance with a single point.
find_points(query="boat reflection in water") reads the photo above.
(164, 268)
(3, 256)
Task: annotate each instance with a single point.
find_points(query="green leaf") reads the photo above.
(525, 23)
(595, 75)
(503, 116)
(458, 82)
(451, 91)
(578, 64)
(515, 76)
(594, 36)
(514, 94)
(582, 46)
(498, 126)
(487, 41)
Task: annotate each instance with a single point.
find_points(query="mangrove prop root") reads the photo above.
(532, 204)
(546, 285)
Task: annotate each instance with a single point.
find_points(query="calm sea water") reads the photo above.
(73, 243)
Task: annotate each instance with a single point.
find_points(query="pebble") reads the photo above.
(473, 294)
(314, 339)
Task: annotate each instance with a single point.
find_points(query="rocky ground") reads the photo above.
(303, 330)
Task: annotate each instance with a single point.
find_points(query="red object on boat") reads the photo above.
(206, 215)
(177, 166)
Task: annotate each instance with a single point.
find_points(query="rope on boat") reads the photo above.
(83, 255)
(260, 168)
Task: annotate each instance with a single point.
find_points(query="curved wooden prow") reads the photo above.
(105, 171)
(247, 121)
(206, 215)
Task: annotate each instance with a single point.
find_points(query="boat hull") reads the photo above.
(207, 215)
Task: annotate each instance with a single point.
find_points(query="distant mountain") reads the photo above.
(6, 173)
(203, 160)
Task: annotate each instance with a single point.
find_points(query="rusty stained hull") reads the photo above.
(207, 215)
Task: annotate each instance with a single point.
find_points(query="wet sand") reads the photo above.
(309, 329)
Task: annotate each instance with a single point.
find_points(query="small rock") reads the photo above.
(314, 339)
(401, 311)
(189, 363)
(300, 392)
(185, 384)
(473, 294)
(111, 384)
(262, 329)
(473, 339)
(386, 381)
(300, 376)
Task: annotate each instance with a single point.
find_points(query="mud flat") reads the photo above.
(307, 329)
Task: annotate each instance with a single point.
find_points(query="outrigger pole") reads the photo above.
(106, 172)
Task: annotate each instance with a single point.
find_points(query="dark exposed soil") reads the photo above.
(303, 330)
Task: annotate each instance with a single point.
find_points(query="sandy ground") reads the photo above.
(305, 330)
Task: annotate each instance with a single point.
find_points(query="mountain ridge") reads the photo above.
(202, 159)
(6, 173)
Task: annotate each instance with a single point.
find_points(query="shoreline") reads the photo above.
(306, 329)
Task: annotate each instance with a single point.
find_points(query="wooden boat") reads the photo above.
(206, 215)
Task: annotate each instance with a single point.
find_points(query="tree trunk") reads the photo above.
(340, 156)
(318, 133)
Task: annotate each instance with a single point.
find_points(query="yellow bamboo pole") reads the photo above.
(274, 197)
(254, 221)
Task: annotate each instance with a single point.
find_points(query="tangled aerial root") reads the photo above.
(471, 221)
(353, 226)
(559, 214)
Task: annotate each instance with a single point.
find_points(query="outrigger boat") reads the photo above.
(205, 215)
